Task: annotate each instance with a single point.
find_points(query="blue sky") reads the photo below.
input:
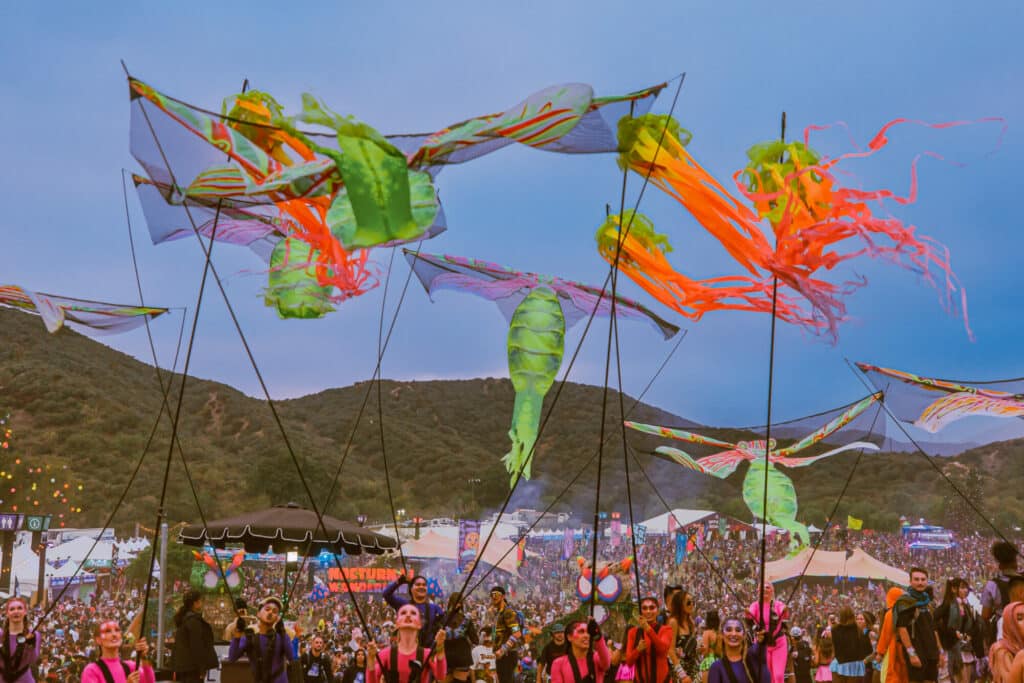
(419, 66)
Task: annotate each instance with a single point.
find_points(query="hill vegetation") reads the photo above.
(79, 405)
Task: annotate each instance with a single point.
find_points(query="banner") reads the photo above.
(616, 532)
(568, 544)
(640, 533)
(521, 551)
(680, 547)
(469, 542)
(361, 579)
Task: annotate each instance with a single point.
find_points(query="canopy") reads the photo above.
(434, 546)
(831, 564)
(287, 526)
(676, 519)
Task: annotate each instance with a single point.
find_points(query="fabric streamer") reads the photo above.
(817, 224)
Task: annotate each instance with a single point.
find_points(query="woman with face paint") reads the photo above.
(647, 645)
(1006, 656)
(739, 663)
(404, 661)
(588, 658)
(770, 618)
(268, 648)
(20, 649)
(110, 668)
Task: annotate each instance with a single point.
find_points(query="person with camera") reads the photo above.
(431, 614)
(315, 663)
(193, 654)
(267, 646)
(406, 660)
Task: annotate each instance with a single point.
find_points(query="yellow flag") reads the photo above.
(854, 523)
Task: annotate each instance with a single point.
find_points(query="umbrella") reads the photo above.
(284, 526)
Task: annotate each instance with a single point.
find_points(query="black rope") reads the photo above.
(369, 385)
(625, 459)
(380, 413)
(835, 508)
(551, 506)
(565, 378)
(175, 424)
(762, 658)
(668, 508)
(931, 461)
(252, 360)
(117, 506)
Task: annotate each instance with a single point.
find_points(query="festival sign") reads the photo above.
(469, 542)
(361, 579)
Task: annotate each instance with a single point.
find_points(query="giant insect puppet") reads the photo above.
(312, 192)
(782, 501)
(539, 309)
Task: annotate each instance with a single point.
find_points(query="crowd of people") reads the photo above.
(706, 618)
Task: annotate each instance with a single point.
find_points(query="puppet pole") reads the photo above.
(762, 660)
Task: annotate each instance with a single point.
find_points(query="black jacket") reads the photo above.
(193, 646)
(850, 643)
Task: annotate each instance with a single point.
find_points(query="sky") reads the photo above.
(410, 67)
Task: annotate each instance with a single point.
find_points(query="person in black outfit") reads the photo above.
(460, 638)
(356, 671)
(316, 664)
(916, 629)
(193, 654)
(552, 651)
(800, 654)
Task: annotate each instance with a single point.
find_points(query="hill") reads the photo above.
(87, 411)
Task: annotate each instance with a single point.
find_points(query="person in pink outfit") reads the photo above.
(588, 658)
(771, 617)
(110, 668)
(407, 658)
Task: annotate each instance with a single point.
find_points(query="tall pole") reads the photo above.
(161, 596)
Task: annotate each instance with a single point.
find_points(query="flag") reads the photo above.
(521, 551)
(640, 533)
(616, 532)
(854, 523)
(672, 523)
(680, 547)
(568, 544)
(469, 542)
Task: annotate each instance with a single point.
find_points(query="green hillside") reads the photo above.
(79, 405)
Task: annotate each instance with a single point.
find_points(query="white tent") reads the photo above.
(677, 519)
(432, 545)
(77, 551)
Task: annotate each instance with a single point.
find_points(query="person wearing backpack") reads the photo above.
(1002, 589)
(507, 636)
(109, 667)
(316, 664)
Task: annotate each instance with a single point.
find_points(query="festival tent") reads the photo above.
(435, 546)
(834, 564)
(76, 551)
(677, 519)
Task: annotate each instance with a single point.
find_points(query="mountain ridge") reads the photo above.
(88, 409)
